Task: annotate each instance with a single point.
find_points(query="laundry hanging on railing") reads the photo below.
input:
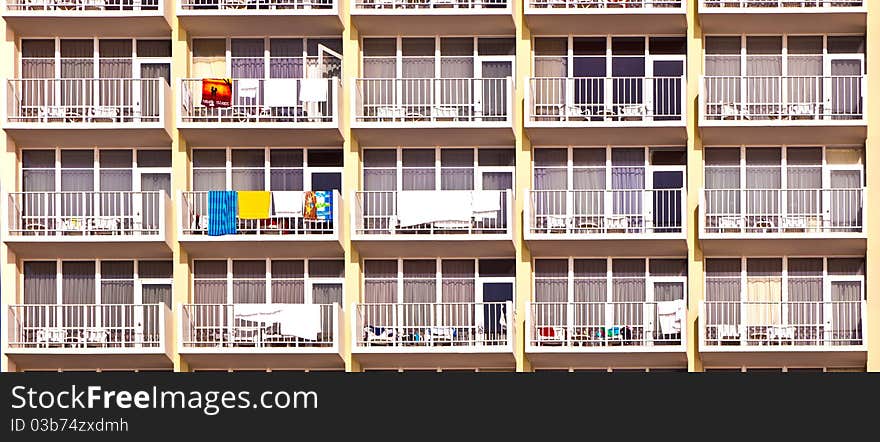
(216, 92)
(254, 204)
(222, 212)
(318, 205)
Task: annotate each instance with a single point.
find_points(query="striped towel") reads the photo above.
(222, 211)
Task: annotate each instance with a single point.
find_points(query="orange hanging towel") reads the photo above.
(310, 205)
(216, 92)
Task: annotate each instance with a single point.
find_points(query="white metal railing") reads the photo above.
(783, 323)
(430, 4)
(476, 212)
(596, 324)
(783, 98)
(781, 3)
(86, 213)
(86, 325)
(259, 100)
(195, 218)
(606, 211)
(433, 99)
(641, 4)
(259, 325)
(607, 99)
(442, 324)
(86, 100)
(82, 5)
(783, 210)
(197, 5)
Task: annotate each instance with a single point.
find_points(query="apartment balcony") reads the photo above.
(621, 110)
(428, 17)
(606, 334)
(593, 17)
(75, 18)
(88, 224)
(770, 222)
(447, 111)
(783, 109)
(419, 223)
(88, 111)
(783, 16)
(448, 335)
(783, 333)
(268, 112)
(261, 336)
(635, 222)
(287, 235)
(89, 336)
(246, 18)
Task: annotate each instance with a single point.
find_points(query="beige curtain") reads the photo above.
(763, 296)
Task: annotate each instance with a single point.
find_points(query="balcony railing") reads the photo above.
(783, 98)
(591, 212)
(430, 4)
(86, 100)
(615, 99)
(606, 324)
(113, 213)
(195, 217)
(433, 325)
(259, 325)
(110, 326)
(783, 325)
(275, 101)
(207, 5)
(82, 5)
(640, 4)
(472, 212)
(781, 3)
(761, 211)
(411, 100)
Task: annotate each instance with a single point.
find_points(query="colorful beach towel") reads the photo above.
(222, 210)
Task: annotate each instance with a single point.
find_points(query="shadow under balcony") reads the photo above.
(247, 18)
(783, 16)
(594, 17)
(76, 18)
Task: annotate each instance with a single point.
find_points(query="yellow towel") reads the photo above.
(254, 204)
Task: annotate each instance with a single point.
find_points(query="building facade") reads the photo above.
(489, 185)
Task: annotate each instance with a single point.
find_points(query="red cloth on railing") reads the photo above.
(216, 92)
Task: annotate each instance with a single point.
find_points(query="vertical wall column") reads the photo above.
(350, 183)
(872, 167)
(522, 183)
(9, 271)
(694, 185)
(179, 182)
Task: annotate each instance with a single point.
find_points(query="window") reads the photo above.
(277, 281)
(287, 169)
(77, 58)
(117, 282)
(418, 169)
(249, 57)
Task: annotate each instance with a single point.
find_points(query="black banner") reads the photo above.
(244, 406)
